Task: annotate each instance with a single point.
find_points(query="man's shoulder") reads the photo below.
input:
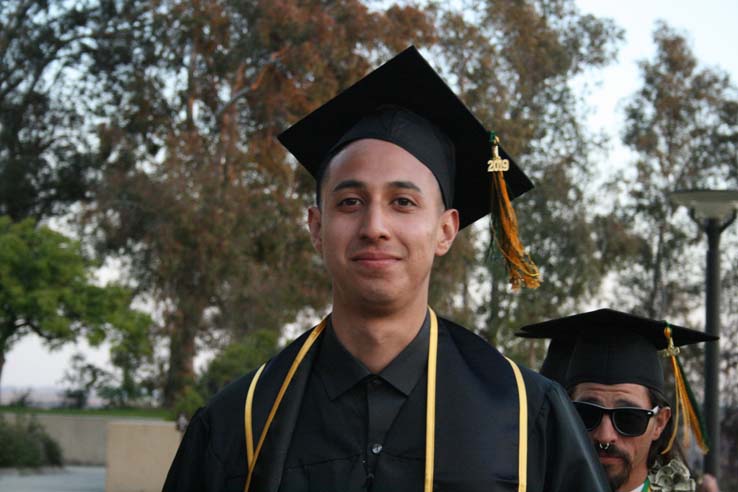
(469, 342)
(481, 354)
(231, 394)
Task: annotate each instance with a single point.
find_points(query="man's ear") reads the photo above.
(662, 418)
(449, 227)
(314, 222)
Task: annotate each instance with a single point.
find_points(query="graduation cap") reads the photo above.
(612, 347)
(407, 103)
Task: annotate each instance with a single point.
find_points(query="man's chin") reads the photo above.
(617, 475)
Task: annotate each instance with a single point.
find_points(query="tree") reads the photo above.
(514, 64)
(197, 192)
(682, 124)
(45, 289)
(81, 379)
(184, 103)
(46, 147)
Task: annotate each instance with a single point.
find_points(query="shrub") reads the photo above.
(25, 444)
(188, 403)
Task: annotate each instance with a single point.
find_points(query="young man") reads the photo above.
(609, 363)
(383, 395)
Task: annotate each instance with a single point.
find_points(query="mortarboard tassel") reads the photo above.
(686, 405)
(504, 225)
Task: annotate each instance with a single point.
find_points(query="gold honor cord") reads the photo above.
(430, 407)
(522, 428)
(287, 380)
(430, 416)
(248, 418)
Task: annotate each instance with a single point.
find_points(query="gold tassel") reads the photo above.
(685, 406)
(504, 226)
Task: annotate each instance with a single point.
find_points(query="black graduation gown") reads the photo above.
(476, 431)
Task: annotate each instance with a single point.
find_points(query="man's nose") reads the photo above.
(374, 225)
(605, 432)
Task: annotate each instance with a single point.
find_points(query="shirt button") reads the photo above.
(376, 448)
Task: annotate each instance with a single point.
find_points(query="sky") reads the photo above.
(710, 27)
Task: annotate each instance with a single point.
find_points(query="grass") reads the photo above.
(149, 413)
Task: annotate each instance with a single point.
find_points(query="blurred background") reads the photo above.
(153, 244)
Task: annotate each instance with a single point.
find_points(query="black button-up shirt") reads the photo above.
(347, 408)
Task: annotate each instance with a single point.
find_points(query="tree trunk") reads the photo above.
(181, 357)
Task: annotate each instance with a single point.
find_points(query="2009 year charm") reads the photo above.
(497, 163)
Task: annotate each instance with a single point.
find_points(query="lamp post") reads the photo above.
(713, 211)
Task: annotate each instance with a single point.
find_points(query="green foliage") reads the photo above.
(237, 359)
(81, 379)
(187, 403)
(127, 385)
(45, 289)
(46, 150)
(138, 413)
(27, 445)
(22, 399)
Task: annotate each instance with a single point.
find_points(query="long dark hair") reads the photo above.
(658, 446)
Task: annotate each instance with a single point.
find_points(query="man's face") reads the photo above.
(625, 459)
(380, 225)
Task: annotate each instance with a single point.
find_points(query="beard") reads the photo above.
(617, 475)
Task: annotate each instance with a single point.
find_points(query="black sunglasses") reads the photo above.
(628, 421)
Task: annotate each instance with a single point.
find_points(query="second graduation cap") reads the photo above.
(407, 103)
(608, 347)
(612, 347)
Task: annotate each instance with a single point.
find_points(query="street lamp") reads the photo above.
(713, 211)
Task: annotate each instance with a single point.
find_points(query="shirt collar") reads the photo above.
(405, 370)
(639, 488)
(341, 371)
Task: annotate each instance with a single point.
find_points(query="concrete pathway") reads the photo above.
(68, 479)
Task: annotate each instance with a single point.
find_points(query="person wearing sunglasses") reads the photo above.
(610, 363)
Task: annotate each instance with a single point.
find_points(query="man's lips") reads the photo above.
(374, 258)
(606, 458)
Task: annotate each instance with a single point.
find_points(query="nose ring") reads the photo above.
(604, 446)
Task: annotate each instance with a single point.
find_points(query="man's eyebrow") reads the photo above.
(353, 183)
(406, 185)
(590, 399)
(624, 402)
(349, 183)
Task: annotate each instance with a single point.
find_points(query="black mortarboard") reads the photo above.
(407, 103)
(608, 347)
(611, 347)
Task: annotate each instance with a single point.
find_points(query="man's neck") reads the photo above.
(377, 338)
(635, 481)
(637, 488)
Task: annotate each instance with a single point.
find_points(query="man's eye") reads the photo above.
(404, 202)
(348, 202)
